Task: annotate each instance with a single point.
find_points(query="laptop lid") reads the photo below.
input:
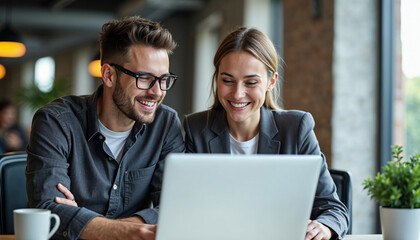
(223, 196)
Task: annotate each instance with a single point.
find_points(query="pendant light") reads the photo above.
(2, 71)
(11, 44)
(95, 66)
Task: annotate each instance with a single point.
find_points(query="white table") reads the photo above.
(348, 237)
(364, 237)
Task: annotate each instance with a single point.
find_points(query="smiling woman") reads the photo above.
(241, 89)
(245, 119)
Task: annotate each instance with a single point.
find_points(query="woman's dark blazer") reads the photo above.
(281, 132)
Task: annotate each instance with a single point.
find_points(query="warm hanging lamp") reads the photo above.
(95, 67)
(11, 44)
(2, 71)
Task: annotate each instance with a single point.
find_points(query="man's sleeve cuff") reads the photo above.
(76, 223)
(150, 215)
(337, 232)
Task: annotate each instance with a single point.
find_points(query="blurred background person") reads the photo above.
(12, 136)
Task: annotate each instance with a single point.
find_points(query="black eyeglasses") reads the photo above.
(145, 81)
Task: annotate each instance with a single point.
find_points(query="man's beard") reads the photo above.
(122, 101)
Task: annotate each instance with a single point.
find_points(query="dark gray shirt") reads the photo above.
(66, 147)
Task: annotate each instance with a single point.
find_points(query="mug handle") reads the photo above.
(56, 224)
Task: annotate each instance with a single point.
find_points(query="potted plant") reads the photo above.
(32, 97)
(397, 190)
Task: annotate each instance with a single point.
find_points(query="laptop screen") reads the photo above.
(223, 196)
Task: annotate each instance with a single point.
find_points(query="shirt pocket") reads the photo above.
(136, 186)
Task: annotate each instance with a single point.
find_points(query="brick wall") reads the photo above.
(308, 47)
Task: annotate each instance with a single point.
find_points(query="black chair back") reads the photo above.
(342, 180)
(12, 188)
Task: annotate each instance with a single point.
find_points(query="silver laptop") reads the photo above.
(221, 196)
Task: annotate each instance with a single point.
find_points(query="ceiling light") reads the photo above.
(10, 43)
(2, 71)
(95, 68)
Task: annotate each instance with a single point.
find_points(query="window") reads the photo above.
(407, 82)
(410, 56)
(44, 73)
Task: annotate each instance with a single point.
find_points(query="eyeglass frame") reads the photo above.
(138, 75)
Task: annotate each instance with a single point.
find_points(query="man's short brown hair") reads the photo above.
(118, 35)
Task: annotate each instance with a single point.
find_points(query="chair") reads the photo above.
(342, 180)
(12, 188)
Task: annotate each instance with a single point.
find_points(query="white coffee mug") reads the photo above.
(33, 223)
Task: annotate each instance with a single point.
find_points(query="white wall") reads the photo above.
(257, 15)
(27, 78)
(207, 40)
(83, 82)
(355, 80)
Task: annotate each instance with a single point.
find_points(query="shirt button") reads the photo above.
(115, 187)
(110, 159)
(65, 234)
(101, 137)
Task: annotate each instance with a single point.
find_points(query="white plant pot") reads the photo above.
(400, 223)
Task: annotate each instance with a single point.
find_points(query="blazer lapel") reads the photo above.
(220, 143)
(267, 143)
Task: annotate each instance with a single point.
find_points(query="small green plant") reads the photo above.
(398, 186)
(34, 98)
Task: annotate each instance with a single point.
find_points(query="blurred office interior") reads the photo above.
(342, 63)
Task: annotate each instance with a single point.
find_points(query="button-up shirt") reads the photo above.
(67, 147)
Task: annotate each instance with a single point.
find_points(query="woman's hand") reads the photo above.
(317, 231)
(69, 200)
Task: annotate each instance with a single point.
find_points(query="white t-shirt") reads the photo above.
(248, 147)
(114, 140)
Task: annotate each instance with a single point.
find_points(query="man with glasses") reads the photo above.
(97, 160)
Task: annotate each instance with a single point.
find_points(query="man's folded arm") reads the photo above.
(47, 166)
(41, 194)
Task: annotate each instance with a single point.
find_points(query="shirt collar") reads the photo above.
(92, 116)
